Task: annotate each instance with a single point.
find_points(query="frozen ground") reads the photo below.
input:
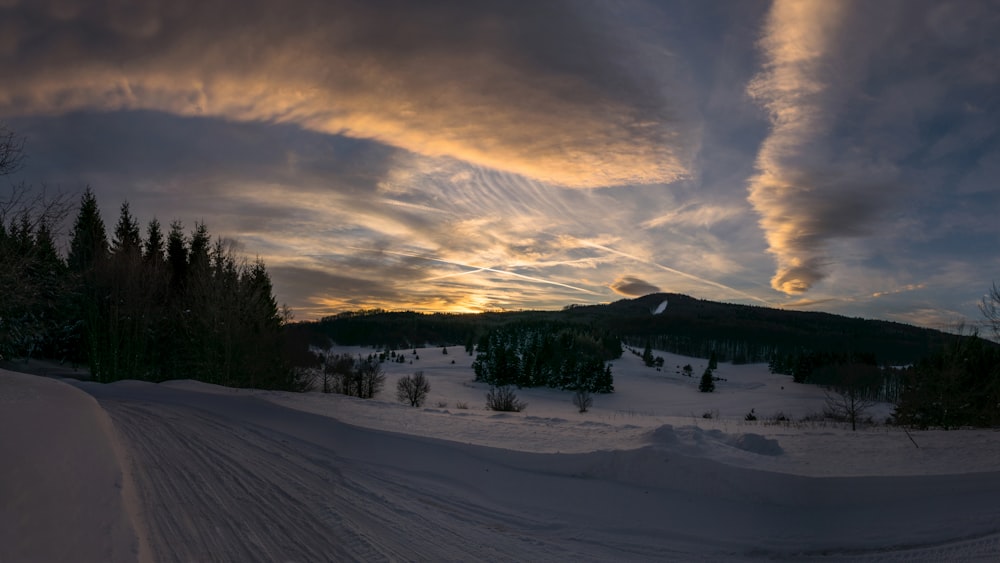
(186, 471)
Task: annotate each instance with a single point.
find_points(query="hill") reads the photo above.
(694, 327)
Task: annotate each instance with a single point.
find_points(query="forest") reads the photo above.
(158, 306)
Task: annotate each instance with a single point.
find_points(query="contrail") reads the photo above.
(475, 269)
(674, 271)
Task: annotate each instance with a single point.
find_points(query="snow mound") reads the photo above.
(60, 479)
(663, 435)
(757, 444)
(697, 441)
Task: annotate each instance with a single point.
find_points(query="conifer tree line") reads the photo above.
(546, 354)
(32, 276)
(142, 304)
(959, 386)
(731, 350)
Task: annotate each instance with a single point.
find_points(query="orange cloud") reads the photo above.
(630, 286)
(431, 81)
(793, 87)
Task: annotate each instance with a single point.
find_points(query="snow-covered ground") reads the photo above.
(189, 471)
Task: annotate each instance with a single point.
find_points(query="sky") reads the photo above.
(466, 156)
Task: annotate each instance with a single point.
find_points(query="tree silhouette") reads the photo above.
(707, 383)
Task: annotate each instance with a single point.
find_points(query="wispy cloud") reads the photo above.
(676, 272)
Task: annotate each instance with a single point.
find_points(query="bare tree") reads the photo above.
(413, 389)
(847, 405)
(990, 307)
(11, 151)
(370, 378)
(850, 399)
(582, 399)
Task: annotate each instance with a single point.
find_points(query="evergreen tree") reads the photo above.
(153, 250)
(126, 238)
(88, 252)
(89, 244)
(707, 384)
(177, 257)
(198, 258)
(713, 361)
(48, 276)
(647, 355)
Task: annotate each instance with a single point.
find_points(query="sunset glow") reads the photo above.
(471, 156)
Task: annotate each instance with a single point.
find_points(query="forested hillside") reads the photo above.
(688, 326)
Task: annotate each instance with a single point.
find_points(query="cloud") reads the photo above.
(796, 210)
(540, 91)
(633, 287)
(869, 105)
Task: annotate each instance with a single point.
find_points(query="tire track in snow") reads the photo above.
(212, 490)
(238, 479)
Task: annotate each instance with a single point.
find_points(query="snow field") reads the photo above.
(185, 471)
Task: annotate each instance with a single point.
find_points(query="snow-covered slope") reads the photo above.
(243, 475)
(62, 492)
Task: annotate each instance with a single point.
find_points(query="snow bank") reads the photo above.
(61, 485)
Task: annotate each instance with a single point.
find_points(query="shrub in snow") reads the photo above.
(750, 417)
(503, 399)
(304, 379)
(413, 389)
(461, 405)
(779, 417)
(582, 400)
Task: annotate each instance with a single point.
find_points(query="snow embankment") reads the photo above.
(62, 490)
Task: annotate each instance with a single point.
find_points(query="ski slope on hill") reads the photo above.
(209, 473)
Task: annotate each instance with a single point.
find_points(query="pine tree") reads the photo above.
(713, 361)
(88, 252)
(89, 244)
(152, 252)
(126, 240)
(177, 257)
(647, 355)
(707, 384)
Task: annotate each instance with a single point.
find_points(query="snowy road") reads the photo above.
(237, 478)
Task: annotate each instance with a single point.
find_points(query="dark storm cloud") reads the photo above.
(196, 155)
(549, 90)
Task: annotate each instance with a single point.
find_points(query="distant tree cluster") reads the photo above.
(355, 376)
(544, 354)
(802, 364)
(399, 329)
